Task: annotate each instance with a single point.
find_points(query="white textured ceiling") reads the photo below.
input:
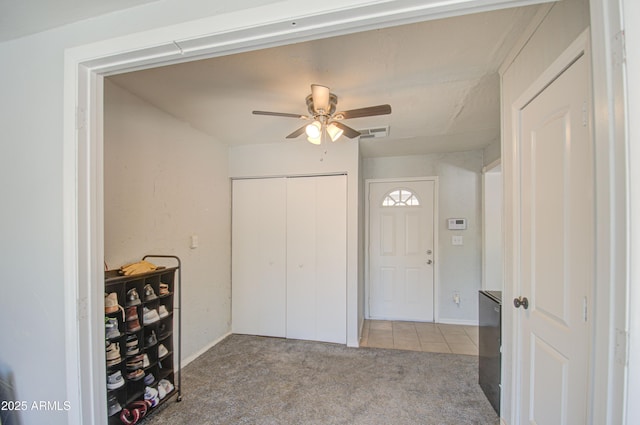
(440, 78)
(23, 17)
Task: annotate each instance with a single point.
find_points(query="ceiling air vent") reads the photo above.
(374, 133)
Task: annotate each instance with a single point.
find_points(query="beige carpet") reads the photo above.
(257, 380)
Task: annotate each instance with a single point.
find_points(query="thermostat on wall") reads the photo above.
(457, 223)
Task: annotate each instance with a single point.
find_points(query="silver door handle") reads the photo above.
(521, 301)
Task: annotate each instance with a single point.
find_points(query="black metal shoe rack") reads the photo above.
(161, 367)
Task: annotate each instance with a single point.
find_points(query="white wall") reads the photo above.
(163, 182)
(460, 197)
(492, 235)
(303, 158)
(566, 20)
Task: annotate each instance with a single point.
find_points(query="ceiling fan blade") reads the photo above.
(297, 132)
(320, 96)
(281, 114)
(364, 112)
(348, 131)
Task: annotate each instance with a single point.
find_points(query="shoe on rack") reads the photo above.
(135, 362)
(145, 361)
(115, 380)
(162, 351)
(136, 375)
(132, 297)
(150, 316)
(133, 325)
(151, 394)
(111, 304)
(151, 340)
(163, 331)
(132, 313)
(162, 311)
(113, 405)
(132, 340)
(149, 378)
(132, 345)
(111, 327)
(164, 387)
(113, 354)
(164, 289)
(149, 293)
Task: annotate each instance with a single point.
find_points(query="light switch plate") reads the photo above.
(457, 240)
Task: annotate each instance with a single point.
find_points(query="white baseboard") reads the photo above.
(202, 350)
(458, 322)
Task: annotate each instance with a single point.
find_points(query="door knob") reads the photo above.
(521, 301)
(429, 261)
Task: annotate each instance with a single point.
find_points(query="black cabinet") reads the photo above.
(140, 335)
(489, 350)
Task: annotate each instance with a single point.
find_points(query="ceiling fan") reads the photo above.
(321, 105)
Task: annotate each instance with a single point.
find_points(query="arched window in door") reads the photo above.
(400, 198)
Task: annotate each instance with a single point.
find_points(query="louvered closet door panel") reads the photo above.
(316, 258)
(259, 257)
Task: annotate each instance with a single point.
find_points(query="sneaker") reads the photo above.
(132, 340)
(135, 362)
(132, 313)
(111, 327)
(163, 331)
(115, 380)
(162, 350)
(162, 311)
(145, 361)
(132, 297)
(151, 339)
(149, 293)
(150, 316)
(136, 375)
(113, 354)
(164, 386)
(148, 379)
(151, 394)
(113, 405)
(111, 304)
(164, 289)
(133, 325)
(132, 349)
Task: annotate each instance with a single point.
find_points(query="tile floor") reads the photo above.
(418, 336)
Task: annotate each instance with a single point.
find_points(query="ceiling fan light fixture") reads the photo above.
(320, 95)
(334, 131)
(315, 141)
(313, 130)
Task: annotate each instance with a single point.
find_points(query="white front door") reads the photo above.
(556, 249)
(401, 250)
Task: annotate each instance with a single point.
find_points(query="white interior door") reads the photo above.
(258, 257)
(401, 250)
(317, 258)
(556, 250)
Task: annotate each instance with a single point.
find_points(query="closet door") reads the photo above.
(258, 257)
(316, 258)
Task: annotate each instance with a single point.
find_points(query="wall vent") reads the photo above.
(374, 133)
